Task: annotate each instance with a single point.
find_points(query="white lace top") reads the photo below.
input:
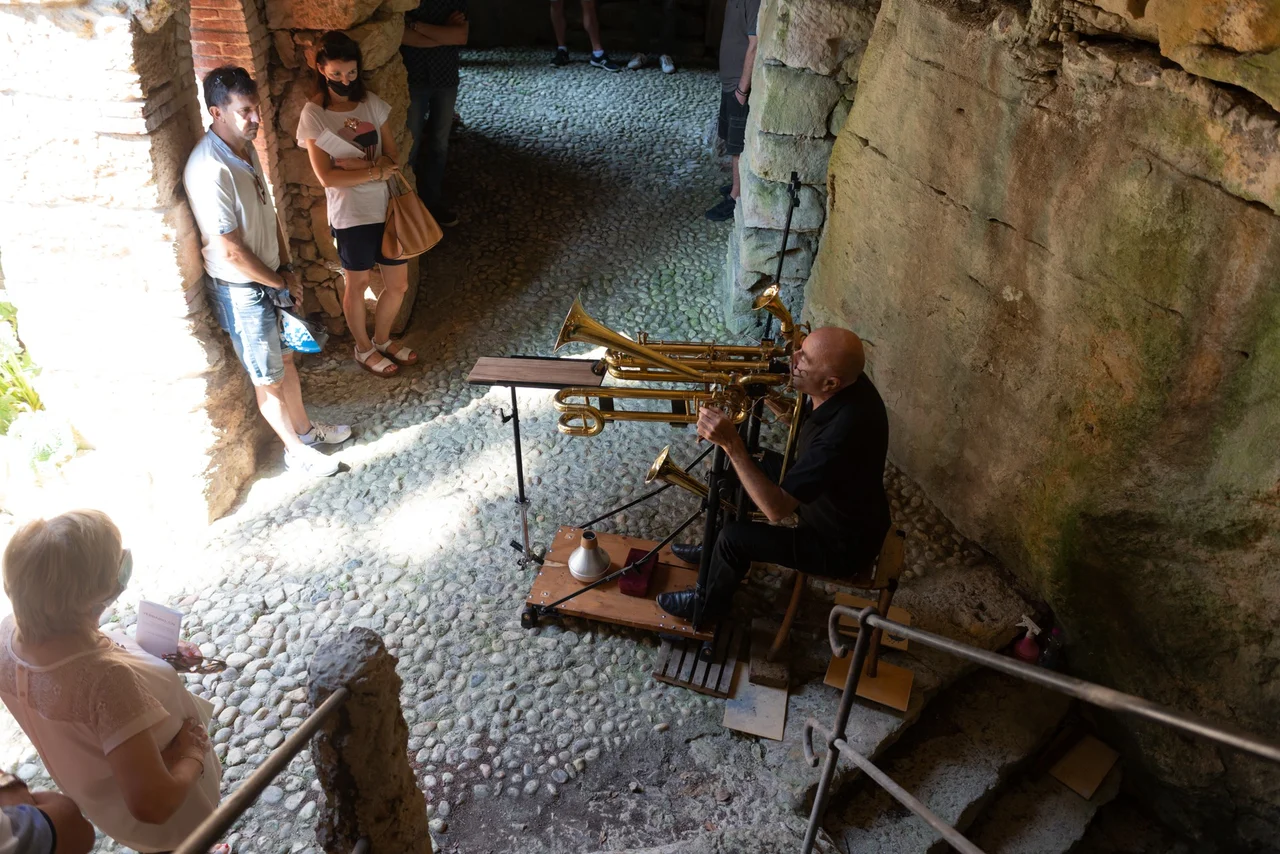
(79, 709)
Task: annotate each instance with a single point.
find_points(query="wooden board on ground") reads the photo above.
(607, 603)
(683, 663)
(1083, 768)
(756, 709)
(762, 671)
(849, 626)
(891, 686)
(534, 372)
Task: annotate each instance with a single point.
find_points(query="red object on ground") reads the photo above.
(635, 581)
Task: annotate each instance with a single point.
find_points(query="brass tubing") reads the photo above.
(653, 375)
(593, 418)
(665, 470)
(580, 326)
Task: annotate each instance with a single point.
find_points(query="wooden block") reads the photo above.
(849, 626)
(774, 674)
(756, 709)
(1083, 768)
(891, 686)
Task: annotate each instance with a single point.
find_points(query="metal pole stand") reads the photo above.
(527, 554)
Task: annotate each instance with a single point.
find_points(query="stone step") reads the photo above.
(1036, 814)
(954, 760)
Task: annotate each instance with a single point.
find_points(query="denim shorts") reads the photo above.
(249, 315)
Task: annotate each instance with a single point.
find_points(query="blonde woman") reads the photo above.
(114, 725)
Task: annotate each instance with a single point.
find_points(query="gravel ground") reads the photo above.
(569, 182)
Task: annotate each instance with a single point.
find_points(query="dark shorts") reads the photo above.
(733, 122)
(360, 247)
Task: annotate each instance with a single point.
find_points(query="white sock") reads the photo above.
(562, 47)
(597, 53)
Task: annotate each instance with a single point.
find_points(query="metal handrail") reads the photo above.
(229, 811)
(1090, 692)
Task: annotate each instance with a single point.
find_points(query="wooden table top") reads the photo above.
(534, 372)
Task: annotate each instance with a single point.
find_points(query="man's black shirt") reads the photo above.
(436, 67)
(838, 474)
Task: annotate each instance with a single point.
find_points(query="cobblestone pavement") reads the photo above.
(570, 181)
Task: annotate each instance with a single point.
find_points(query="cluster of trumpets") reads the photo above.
(694, 373)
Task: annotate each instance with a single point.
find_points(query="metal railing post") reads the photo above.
(229, 811)
(860, 649)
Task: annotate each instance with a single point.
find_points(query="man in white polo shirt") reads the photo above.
(247, 284)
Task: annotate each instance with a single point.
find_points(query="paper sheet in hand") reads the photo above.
(158, 628)
(335, 146)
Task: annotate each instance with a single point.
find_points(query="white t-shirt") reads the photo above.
(79, 709)
(355, 133)
(227, 193)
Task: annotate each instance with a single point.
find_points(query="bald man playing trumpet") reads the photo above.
(835, 485)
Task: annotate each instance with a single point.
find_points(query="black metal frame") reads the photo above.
(869, 620)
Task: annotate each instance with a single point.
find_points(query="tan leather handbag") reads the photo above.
(411, 229)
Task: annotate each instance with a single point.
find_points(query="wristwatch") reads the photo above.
(285, 268)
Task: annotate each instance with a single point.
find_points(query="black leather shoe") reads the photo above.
(687, 553)
(680, 604)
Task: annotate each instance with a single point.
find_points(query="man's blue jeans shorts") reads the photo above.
(249, 314)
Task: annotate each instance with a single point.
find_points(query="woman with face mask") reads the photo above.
(114, 725)
(353, 152)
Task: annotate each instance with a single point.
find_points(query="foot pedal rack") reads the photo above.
(702, 666)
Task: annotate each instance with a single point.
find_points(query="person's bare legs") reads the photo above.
(737, 185)
(291, 389)
(355, 284)
(271, 403)
(557, 21)
(590, 23)
(395, 284)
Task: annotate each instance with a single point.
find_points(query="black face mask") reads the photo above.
(340, 88)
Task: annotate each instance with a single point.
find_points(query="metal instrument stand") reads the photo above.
(527, 555)
(530, 372)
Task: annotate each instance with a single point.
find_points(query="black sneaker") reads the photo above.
(603, 61)
(561, 58)
(726, 189)
(721, 210)
(445, 217)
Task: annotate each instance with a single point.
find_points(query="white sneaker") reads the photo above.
(310, 462)
(668, 64)
(325, 434)
(637, 61)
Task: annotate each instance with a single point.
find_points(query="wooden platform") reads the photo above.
(684, 663)
(534, 372)
(607, 603)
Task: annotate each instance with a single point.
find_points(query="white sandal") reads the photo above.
(402, 355)
(383, 367)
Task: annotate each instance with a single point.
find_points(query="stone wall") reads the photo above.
(102, 257)
(802, 85)
(1062, 252)
(296, 27)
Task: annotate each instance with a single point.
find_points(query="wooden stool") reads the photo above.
(882, 576)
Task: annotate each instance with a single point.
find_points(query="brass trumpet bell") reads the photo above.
(581, 327)
(769, 300)
(665, 470)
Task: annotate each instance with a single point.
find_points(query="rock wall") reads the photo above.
(802, 85)
(102, 257)
(1062, 252)
(296, 27)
